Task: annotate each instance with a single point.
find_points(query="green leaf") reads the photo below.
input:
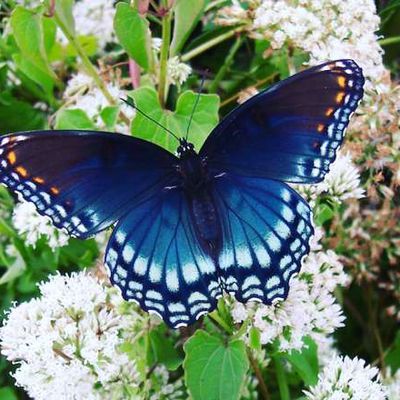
(109, 115)
(64, 14)
(204, 119)
(28, 33)
(31, 71)
(162, 349)
(187, 15)
(8, 393)
(214, 369)
(16, 115)
(393, 357)
(88, 44)
(305, 362)
(73, 119)
(255, 338)
(133, 33)
(16, 269)
(323, 213)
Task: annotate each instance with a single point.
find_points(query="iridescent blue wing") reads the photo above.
(292, 130)
(266, 231)
(155, 259)
(84, 181)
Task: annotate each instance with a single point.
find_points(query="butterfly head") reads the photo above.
(185, 148)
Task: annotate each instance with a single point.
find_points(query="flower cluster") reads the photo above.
(33, 226)
(346, 378)
(326, 31)
(82, 93)
(310, 308)
(66, 342)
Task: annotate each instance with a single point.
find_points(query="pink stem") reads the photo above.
(143, 6)
(134, 73)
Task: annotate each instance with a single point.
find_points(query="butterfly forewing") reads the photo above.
(292, 130)
(84, 181)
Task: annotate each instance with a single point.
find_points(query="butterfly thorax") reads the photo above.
(197, 187)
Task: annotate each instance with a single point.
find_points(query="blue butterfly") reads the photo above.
(192, 226)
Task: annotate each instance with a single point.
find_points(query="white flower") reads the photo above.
(343, 180)
(325, 30)
(392, 384)
(309, 310)
(30, 224)
(178, 72)
(346, 379)
(81, 92)
(93, 18)
(66, 342)
(156, 44)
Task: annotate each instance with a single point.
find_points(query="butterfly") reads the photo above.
(191, 226)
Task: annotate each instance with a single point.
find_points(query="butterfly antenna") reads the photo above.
(195, 104)
(130, 102)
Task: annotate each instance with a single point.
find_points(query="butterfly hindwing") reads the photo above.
(266, 231)
(84, 181)
(155, 259)
(292, 130)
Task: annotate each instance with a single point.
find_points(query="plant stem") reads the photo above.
(217, 318)
(258, 83)
(90, 69)
(166, 39)
(261, 383)
(281, 378)
(390, 40)
(226, 65)
(211, 43)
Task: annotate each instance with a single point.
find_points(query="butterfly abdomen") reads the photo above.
(205, 219)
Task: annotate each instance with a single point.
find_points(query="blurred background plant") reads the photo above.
(65, 64)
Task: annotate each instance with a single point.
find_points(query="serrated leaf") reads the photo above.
(73, 119)
(37, 75)
(187, 15)
(11, 120)
(323, 213)
(214, 368)
(255, 338)
(88, 44)
(393, 356)
(204, 119)
(305, 362)
(16, 269)
(162, 350)
(133, 33)
(109, 115)
(28, 33)
(65, 15)
(8, 393)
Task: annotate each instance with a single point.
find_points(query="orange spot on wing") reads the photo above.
(38, 179)
(11, 157)
(341, 80)
(54, 190)
(22, 171)
(320, 127)
(329, 111)
(339, 97)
